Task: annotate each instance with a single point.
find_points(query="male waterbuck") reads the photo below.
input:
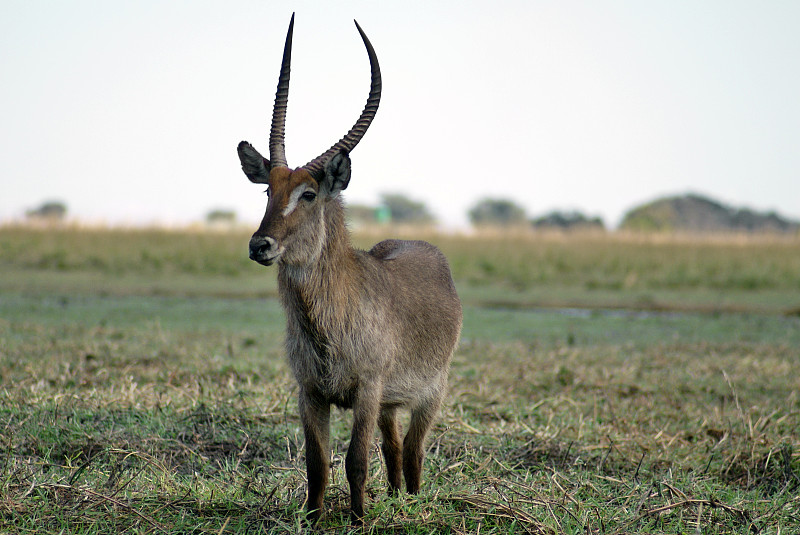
(369, 330)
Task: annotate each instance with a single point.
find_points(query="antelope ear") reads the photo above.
(255, 166)
(337, 174)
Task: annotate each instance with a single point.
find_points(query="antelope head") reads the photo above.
(293, 229)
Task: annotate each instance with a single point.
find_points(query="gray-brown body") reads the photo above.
(373, 332)
(388, 318)
(369, 331)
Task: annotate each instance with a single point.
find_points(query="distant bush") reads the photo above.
(221, 217)
(568, 221)
(404, 210)
(361, 213)
(694, 213)
(50, 211)
(500, 212)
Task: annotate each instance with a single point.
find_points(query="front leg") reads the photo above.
(315, 415)
(365, 416)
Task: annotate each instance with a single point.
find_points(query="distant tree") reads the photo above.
(361, 214)
(221, 217)
(50, 211)
(568, 221)
(496, 212)
(696, 213)
(404, 210)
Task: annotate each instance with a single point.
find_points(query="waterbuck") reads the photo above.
(373, 331)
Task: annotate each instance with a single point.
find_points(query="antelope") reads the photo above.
(372, 331)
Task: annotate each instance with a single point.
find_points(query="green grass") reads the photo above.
(759, 273)
(146, 400)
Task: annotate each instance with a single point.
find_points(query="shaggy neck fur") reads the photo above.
(335, 252)
(319, 296)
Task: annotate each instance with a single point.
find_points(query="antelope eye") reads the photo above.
(309, 196)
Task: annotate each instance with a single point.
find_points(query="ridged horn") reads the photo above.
(351, 139)
(277, 132)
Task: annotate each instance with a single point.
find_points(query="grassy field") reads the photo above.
(604, 384)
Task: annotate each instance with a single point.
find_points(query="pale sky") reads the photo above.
(130, 112)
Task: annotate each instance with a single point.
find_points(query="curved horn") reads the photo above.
(277, 133)
(351, 139)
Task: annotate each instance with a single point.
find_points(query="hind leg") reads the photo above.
(392, 453)
(414, 444)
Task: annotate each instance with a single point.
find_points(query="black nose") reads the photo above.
(261, 248)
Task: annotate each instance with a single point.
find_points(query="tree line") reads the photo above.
(689, 212)
(487, 212)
